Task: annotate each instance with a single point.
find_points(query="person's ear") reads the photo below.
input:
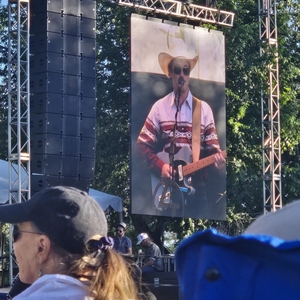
(44, 247)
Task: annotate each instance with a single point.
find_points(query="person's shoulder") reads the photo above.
(52, 286)
(154, 246)
(165, 100)
(203, 103)
(127, 238)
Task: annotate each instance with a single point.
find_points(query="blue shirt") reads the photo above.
(122, 244)
(212, 266)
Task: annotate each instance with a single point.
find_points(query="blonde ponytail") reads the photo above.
(113, 279)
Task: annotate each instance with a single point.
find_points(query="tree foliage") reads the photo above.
(113, 96)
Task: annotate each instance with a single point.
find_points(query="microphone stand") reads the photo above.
(172, 146)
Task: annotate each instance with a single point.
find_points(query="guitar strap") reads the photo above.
(196, 128)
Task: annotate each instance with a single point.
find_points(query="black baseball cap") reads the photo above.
(68, 216)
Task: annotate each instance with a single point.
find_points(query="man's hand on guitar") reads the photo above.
(166, 171)
(220, 161)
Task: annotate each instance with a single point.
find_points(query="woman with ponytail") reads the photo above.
(62, 248)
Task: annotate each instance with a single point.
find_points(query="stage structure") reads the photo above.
(270, 108)
(18, 106)
(184, 11)
(51, 96)
(19, 88)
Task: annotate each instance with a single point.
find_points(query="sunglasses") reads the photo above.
(119, 230)
(17, 233)
(185, 70)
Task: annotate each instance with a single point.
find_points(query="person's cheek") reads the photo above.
(28, 269)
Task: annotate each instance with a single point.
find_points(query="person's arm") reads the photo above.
(146, 154)
(153, 253)
(220, 161)
(128, 246)
(147, 141)
(149, 262)
(211, 144)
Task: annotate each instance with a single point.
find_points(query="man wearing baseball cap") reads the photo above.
(122, 243)
(153, 262)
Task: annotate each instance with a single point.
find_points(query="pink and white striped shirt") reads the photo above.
(159, 125)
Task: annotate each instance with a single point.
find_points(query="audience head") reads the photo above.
(120, 229)
(143, 239)
(62, 230)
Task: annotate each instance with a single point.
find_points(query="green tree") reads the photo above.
(113, 96)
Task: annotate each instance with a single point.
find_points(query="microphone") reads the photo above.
(181, 81)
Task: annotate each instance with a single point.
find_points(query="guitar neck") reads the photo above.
(200, 164)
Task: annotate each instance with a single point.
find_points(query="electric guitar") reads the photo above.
(183, 167)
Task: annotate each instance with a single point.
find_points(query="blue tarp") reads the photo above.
(103, 199)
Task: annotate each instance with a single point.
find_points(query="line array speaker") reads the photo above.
(40, 182)
(76, 25)
(63, 96)
(64, 84)
(70, 105)
(66, 166)
(73, 7)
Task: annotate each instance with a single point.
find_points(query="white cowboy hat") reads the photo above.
(178, 50)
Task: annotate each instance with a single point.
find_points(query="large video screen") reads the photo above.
(178, 128)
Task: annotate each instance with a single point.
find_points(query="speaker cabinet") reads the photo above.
(63, 93)
(40, 182)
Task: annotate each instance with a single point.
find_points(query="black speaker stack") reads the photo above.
(63, 95)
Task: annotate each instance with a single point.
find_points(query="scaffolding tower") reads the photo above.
(270, 109)
(18, 107)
